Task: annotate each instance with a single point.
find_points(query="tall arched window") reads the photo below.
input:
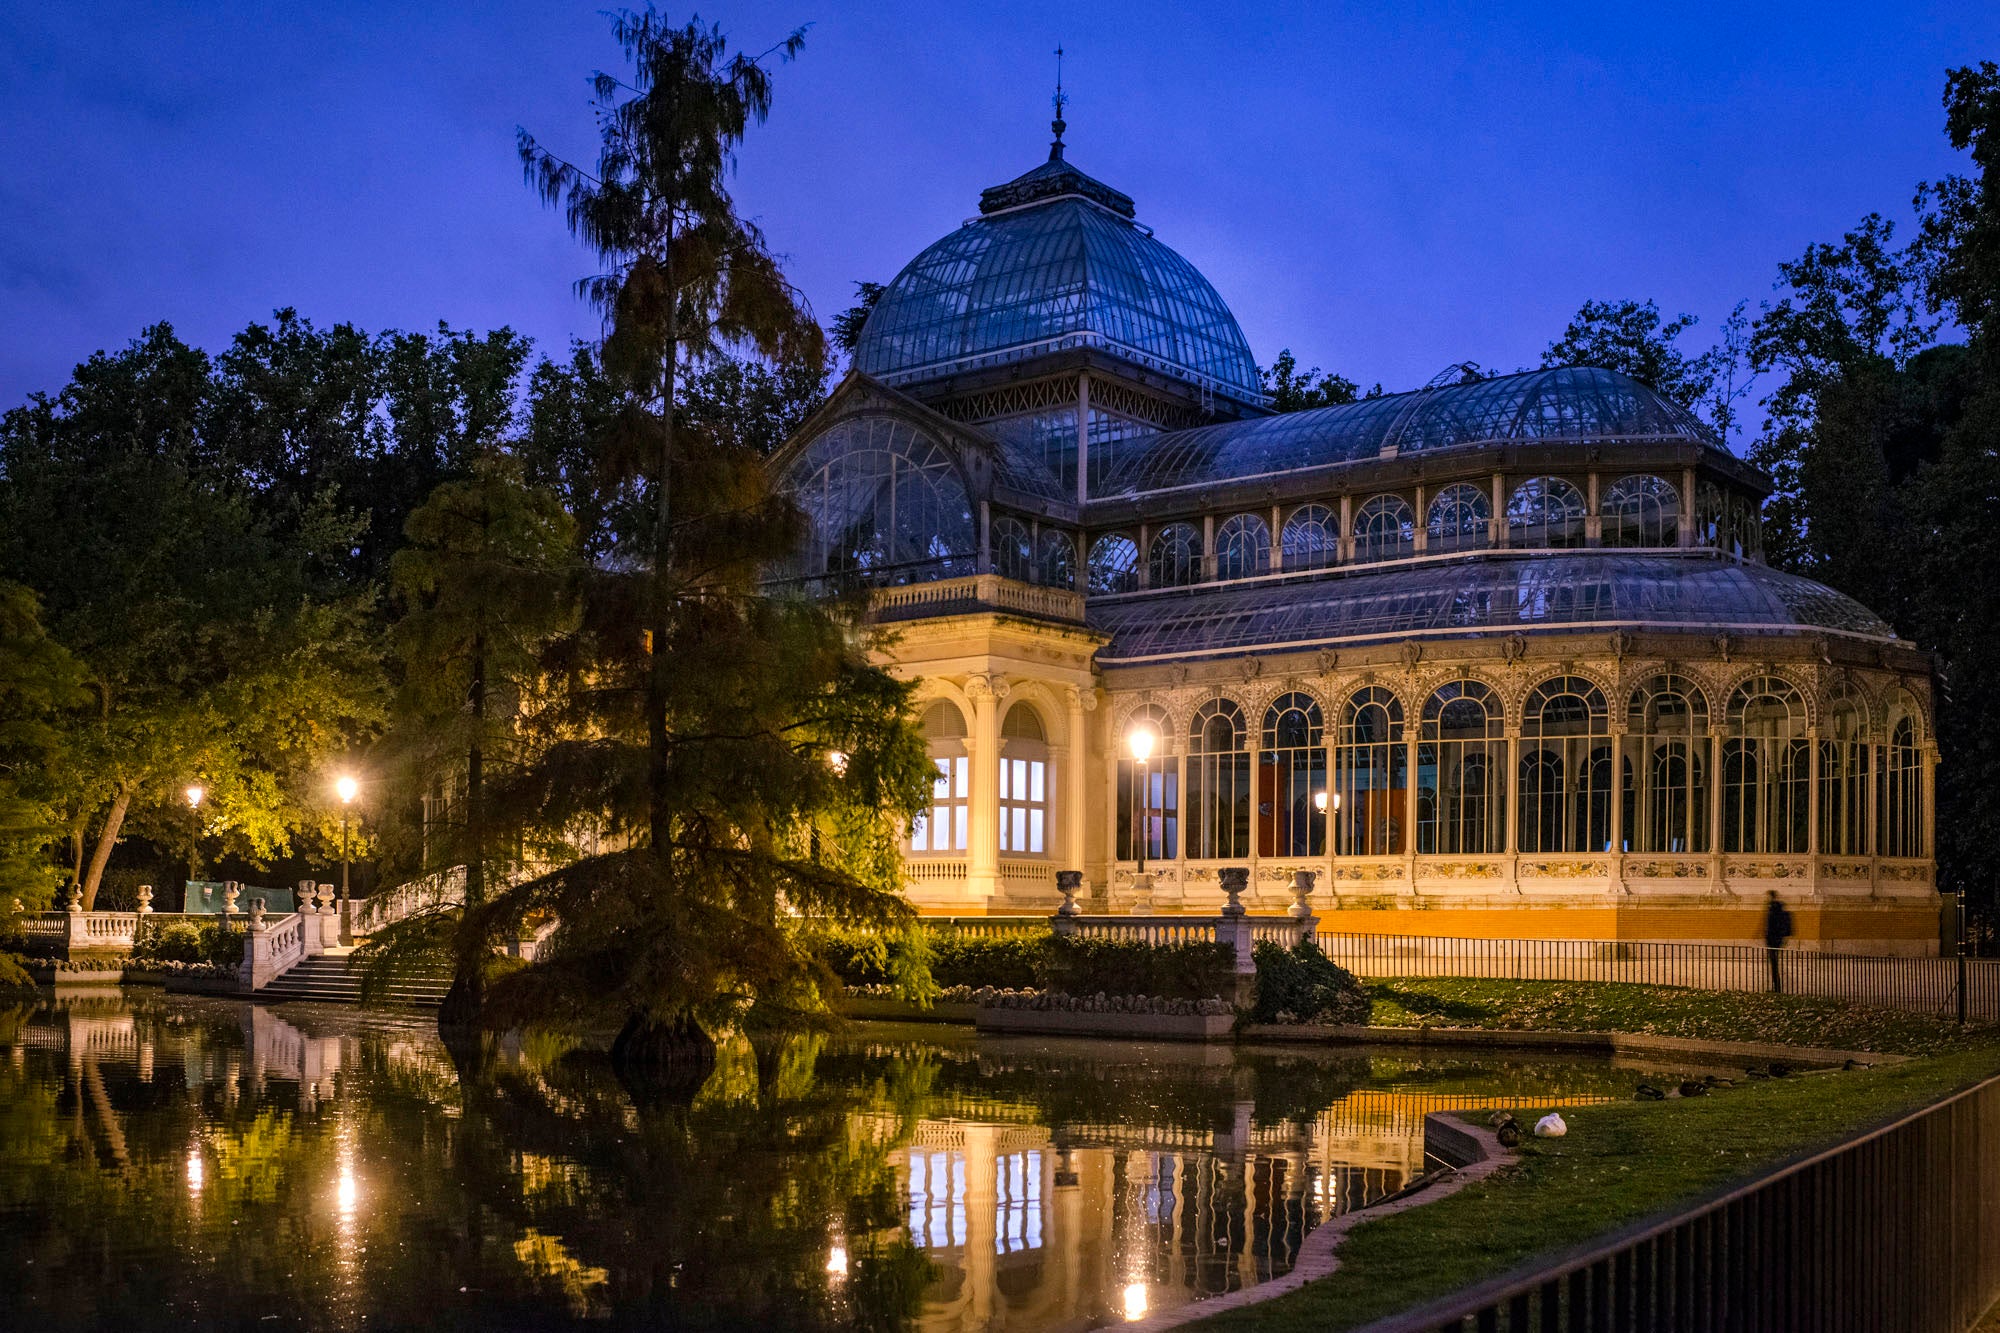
(1903, 791)
(1291, 772)
(1709, 516)
(1765, 768)
(941, 829)
(1149, 794)
(882, 501)
(1242, 547)
(1384, 529)
(1461, 518)
(1641, 510)
(1218, 782)
(1055, 559)
(1565, 768)
(1371, 772)
(1025, 781)
(1114, 564)
(1013, 548)
(1461, 766)
(1546, 512)
(1843, 779)
(1312, 538)
(1175, 560)
(1667, 736)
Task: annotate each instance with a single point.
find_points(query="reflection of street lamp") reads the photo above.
(194, 794)
(345, 787)
(1141, 740)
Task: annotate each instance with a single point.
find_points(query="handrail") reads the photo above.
(1507, 1301)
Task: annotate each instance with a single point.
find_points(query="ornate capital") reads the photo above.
(1080, 698)
(986, 685)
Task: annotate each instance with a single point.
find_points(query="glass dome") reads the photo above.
(1581, 403)
(1054, 262)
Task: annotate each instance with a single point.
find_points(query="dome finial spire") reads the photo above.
(1061, 101)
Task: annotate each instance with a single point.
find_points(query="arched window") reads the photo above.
(1843, 779)
(1765, 768)
(1055, 559)
(1745, 526)
(1114, 564)
(1013, 548)
(941, 829)
(1903, 831)
(1384, 529)
(1242, 547)
(1667, 737)
(1709, 517)
(1546, 512)
(1291, 773)
(1461, 518)
(1312, 538)
(1218, 782)
(1565, 768)
(1025, 797)
(1371, 773)
(1149, 794)
(1461, 764)
(1175, 560)
(882, 501)
(1641, 510)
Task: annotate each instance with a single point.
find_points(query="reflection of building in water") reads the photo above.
(1033, 1228)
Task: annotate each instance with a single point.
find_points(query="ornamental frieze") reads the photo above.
(1674, 868)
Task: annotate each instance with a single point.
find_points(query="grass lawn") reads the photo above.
(1625, 1162)
(1667, 1011)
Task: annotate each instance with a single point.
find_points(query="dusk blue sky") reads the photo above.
(1385, 189)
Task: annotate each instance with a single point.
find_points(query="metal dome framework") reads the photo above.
(1053, 263)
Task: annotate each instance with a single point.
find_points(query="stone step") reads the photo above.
(331, 979)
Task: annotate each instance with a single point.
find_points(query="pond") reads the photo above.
(178, 1162)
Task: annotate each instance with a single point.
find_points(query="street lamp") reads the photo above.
(346, 788)
(194, 794)
(1141, 740)
(1320, 803)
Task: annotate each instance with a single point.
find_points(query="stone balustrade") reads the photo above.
(270, 946)
(1234, 927)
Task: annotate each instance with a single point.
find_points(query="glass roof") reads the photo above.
(1492, 593)
(1566, 403)
(1065, 268)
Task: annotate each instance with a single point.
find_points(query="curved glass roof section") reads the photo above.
(1580, 403)
(1488, 594)
(1054, 262)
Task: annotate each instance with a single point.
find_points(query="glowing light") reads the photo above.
(196, 1173)
(838, 759)
(194, 794)
(1141, 740)
(346, 1193)
(836, 1262)
(346, 788)
(1135, 1300)
(1319, 801)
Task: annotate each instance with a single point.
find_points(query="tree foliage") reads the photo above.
(1631, 337)
(1295, 390)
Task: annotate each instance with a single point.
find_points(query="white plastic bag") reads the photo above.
(1550, 1126)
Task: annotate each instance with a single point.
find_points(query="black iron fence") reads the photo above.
(1897, 1231)
(1962, 988)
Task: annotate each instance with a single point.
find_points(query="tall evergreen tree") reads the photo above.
(709, 728)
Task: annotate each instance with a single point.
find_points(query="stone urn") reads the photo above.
(1234, 880)
(145, 899)
(1302, 887)
(1069, 883)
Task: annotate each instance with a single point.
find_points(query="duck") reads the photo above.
(1648, 1093)
(1694, 1088)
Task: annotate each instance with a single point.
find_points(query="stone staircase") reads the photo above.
(330, 979)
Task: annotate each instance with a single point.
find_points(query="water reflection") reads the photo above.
(180, 1162)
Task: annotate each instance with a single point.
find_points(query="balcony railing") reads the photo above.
(980, 592)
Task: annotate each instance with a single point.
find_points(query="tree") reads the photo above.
(847, 325)
(708, 729)
(1629, 337)
(486, 581)
(39, 684)
(211, 645)
(1292, 390)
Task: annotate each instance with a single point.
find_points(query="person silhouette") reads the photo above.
(1777, 929)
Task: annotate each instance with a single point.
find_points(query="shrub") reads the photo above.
(1306, 986)
(171, 942)
(1006, 963)
(221, 945)
(1074, 965)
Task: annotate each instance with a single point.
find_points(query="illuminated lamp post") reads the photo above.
(346, 788)
(194, 793)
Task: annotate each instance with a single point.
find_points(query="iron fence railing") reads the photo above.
(1896, 1231)
(1952, 987)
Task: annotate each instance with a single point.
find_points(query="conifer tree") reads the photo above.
(709, 729)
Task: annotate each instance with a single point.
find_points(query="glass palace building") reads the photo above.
(1495, 657)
